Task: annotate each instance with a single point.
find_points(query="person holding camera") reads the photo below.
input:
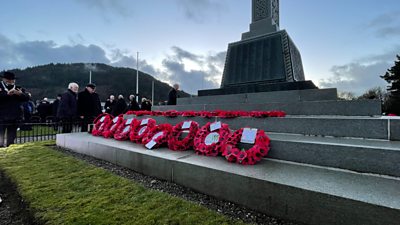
(11, 99)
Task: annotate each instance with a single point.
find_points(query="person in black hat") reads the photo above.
(89, 106)
(11, 99)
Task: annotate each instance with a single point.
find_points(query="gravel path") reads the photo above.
(227, 208)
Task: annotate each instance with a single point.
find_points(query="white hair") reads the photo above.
(72, 85)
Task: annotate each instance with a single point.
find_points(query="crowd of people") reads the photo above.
(16, 107)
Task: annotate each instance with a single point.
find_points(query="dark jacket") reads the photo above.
(172, 95)
(54, 107)
(109, 106)
(146, 105)
(68, 107)
(11, 108)
(133, 105)
(88, 104)
(120, 107)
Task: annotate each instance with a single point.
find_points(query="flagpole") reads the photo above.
(137, 77)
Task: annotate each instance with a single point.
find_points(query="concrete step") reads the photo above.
(264, 97)
(342, 108)
(366, 156)
(293, 191)
(332, 126)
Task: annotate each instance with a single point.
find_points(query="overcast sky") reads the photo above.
(344, 43)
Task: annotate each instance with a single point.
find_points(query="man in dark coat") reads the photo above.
(11, 99)
(54, 106)
(68, 108)
(133, 105)
(110, 103)
(173, 95)
(89, 106)
(120, 106)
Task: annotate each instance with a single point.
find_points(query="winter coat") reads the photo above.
(109, 106)
(68, 107)
(120, 107)
(88, 104)
(172, 95)
(11, 108)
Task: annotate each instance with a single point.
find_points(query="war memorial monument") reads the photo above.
(331, 161)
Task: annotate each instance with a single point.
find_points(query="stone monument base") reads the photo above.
(259, 87)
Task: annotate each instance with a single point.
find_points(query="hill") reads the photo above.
(49, 80)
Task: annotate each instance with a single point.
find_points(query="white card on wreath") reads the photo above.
(144, 122)
(151, 144)
(215, 126)
(126, 129)
(249, 136)
(129, 121)
(102, 119)
(115, 119)
(186, 124)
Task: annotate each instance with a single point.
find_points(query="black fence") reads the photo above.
(42, 131)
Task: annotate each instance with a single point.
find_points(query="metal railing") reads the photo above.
(33, 132)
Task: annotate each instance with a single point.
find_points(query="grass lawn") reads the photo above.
(37, 131)
(63, 190)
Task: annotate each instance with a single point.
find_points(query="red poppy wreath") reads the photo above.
(157, 136)
(141, 129)
(211, 138)
(175, 142)
(250, 156)
(101, 123)
(124, 129)
(116, 122)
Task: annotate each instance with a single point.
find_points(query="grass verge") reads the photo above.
(63, 190)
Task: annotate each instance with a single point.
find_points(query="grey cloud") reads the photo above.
(198, 10)
(183, 54)
(362, 74)
(190, 81)
(385, 25)
(207, 73)
(31, 53)
(208, 76)
(119, 7)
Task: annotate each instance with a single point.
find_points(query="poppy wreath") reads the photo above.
(230, 114)
(190, 113)
(141, 129)
(159, 134)
(174, 142)
(116, 122)
(250, 156)
(216, 146)
(124, 129)
(156, 113)
(171, 113)
(261, 114)
(101, 123)
(207, 114)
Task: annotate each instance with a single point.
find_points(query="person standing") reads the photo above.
(120, 107)
(28, 107)
(110, 103)
(54, 106)
(173, 95)
(146, 104)
(11, 99)
(68, 108)
(89, 106)
(133, 105)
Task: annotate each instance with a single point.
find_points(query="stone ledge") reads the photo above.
(312, 195)
(340, 108)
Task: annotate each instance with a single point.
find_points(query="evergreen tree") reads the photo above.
(392, 76)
